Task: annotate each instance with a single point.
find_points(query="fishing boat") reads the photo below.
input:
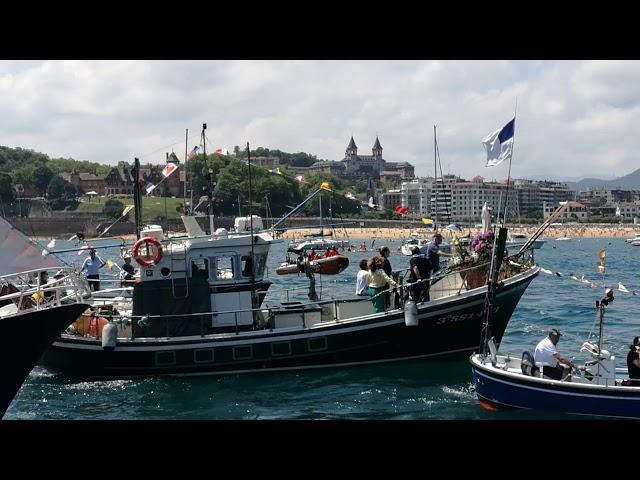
(506, 381)
(199, 308)
(31, 309)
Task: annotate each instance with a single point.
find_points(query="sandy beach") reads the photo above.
(573, 231)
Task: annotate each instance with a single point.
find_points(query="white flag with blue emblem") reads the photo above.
(499, 144)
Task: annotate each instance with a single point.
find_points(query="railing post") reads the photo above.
(235, 315)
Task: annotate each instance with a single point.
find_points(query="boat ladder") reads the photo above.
(179, 286)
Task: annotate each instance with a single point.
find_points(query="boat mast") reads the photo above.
(253, 256)
(186, 148)
(209, 176)
(137, 203)
(496, 261)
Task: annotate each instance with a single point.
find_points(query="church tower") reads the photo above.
(352, 150)
(377, 155)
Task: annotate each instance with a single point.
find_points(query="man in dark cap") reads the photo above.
(434, 253)
(555, 366)
(420, 269)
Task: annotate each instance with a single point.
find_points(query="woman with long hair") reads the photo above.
(378, 281)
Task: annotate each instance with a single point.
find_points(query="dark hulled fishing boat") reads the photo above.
(30, 309)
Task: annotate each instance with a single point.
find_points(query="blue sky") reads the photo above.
(574, 118)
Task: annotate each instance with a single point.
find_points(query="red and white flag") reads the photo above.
(169, 169)
(222, 151)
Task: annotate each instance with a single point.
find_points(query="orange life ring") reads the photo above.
(145, 260)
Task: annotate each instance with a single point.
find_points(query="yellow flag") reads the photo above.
(109, 264)
(126, 210)
(427, 221)
(325, 186)
(601, 256)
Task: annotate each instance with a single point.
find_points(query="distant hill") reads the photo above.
(630, 181)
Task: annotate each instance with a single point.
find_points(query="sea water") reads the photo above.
(406, 390)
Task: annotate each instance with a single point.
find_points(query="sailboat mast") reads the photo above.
(435, 181)
(253, 255)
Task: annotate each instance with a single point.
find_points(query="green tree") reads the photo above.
(113, 208)
(61, 195)
(41, 177)
(7, 194)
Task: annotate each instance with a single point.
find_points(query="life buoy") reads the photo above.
(146, 260)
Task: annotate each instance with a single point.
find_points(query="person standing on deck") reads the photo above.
(434, 253)
(92, 264)
(377, 283)
(633, 361)
(362, 279)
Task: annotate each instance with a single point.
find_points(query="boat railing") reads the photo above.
(264, 316)
(26, 291)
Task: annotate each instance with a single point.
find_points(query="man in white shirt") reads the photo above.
(362, 279)
(92, 265)
(555, 366)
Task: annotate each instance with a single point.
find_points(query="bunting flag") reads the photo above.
(169, 169)
(84, 248)
(109, 264)
(74, 237)
(591, 284)
(51, 244)
(193, 152)
(427, 221)
(222, 151)
(400, 210)
(126, 210)
(325, 186)
(149, 187)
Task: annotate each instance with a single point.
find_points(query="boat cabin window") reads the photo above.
(261, 262)
(247, 265)
(200, 268)
(224, 268)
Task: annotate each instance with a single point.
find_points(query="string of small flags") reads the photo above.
(593, 284)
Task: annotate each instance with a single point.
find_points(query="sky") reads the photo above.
(573, 118)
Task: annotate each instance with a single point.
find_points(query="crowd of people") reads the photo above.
(377, 280)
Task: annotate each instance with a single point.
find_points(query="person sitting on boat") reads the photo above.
(377, 283)
(555, 366)
(313, 255)
(44, 297)
(331, 252)
(633, 361)
(419, 269)
(129, 270)
(362, 279)
(434, 253)
(92, 264)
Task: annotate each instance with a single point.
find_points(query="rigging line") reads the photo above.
(161, 148)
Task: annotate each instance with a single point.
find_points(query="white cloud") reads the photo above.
(573, 116)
